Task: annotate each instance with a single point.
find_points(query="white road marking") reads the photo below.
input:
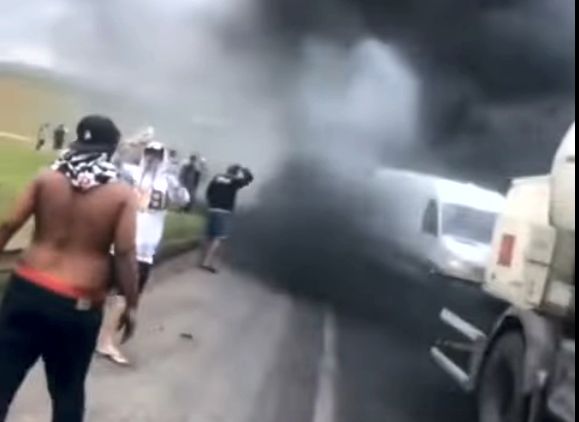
(325, 410)
(15, 137)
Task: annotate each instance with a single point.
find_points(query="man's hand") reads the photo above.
(128, 324)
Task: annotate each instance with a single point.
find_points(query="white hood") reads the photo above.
(158, 190)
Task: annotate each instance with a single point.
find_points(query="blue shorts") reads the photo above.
(218, 225)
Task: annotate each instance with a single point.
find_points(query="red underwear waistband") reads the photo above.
(54, 285)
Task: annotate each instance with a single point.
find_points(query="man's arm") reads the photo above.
(246, 178)
(177, 194)
(19, 215)
(125, 252)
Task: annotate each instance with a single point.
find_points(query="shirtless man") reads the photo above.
(52, 309)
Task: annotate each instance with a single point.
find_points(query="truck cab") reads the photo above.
(457, 229)
(523, 369)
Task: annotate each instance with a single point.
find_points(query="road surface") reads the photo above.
(228, 348)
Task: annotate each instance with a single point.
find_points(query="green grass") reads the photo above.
(19, 163)
(183, 227)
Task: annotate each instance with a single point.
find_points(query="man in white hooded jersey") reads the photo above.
(157, 190)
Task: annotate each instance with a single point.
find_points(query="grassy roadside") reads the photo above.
(19, 162)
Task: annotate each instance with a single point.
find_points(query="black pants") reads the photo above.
(38, 324)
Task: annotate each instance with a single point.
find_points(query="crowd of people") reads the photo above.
(99, 224)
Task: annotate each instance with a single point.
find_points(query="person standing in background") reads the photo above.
(221, 200)
(191, 175)
(173, 164)
(42, 135)
(59, 137)
(157, 190)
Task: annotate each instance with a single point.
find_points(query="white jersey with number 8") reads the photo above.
(156, 191)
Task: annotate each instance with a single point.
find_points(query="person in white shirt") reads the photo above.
(157, 190)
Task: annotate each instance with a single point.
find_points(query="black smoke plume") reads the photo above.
(495, 92)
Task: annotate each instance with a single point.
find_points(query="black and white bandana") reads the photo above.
(86, 171)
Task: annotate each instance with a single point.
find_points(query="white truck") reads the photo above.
(523, 370)
(444, 224)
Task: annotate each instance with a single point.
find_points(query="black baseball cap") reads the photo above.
(96, 134)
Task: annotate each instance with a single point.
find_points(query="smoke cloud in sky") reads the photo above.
(483, 65)
(197, 70)
(315, 94)
(478, 90)
(238, 78)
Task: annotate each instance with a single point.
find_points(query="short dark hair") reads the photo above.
(233, 169)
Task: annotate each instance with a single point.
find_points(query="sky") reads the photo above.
(455, 75)
(195, 69)
(25, 37)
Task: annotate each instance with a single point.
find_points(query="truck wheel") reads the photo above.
(501, 397)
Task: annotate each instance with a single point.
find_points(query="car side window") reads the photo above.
(430, 220)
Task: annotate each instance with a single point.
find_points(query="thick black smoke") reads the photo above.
(497, 75)
(494, 92)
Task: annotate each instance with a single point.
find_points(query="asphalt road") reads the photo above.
(229, 348)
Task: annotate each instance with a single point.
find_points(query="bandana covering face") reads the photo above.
(86, 171)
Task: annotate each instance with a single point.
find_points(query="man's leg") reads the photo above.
(217, 231)
(107, 340)
(67, 359)
(190, 207)
(211, 252)
(18, 353)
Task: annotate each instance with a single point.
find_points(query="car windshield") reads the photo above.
(468, 223)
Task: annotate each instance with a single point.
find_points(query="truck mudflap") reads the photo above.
(562, 397)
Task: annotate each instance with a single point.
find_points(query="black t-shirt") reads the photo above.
(222, 191)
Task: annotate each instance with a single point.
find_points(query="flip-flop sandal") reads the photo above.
(116, 358)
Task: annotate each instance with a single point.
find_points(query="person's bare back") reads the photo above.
(81, 210)
(75, 229)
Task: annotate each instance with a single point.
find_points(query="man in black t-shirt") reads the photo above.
(221, 200)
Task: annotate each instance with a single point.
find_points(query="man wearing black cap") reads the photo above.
(52, 308)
